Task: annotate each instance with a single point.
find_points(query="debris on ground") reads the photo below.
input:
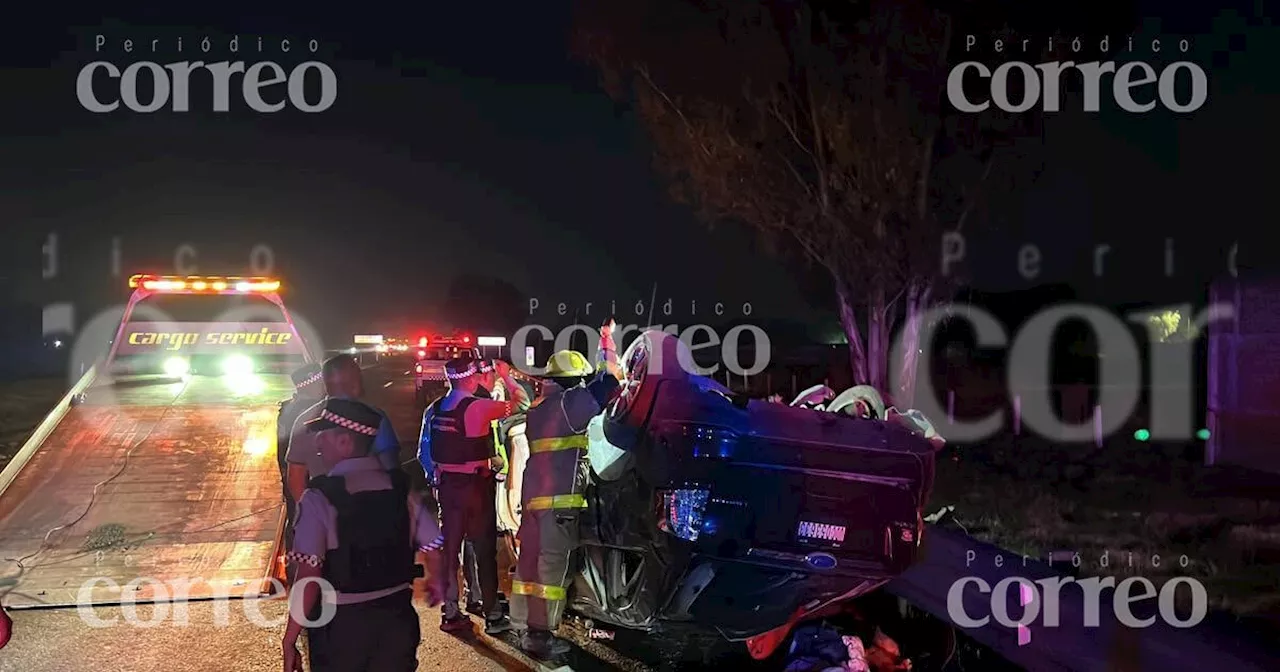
(102, 537)
(822, 648)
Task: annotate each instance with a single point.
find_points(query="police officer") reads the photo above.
(457, 454)
(358, 527)
(343, 380)
(307, 391)
(552, 496)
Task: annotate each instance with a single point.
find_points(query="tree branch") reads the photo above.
(789, 127)
(972, 197)
(644, 74)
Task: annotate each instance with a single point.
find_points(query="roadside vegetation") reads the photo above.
(1129, 500)
(23, 404)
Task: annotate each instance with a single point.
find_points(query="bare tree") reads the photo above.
(823, 127)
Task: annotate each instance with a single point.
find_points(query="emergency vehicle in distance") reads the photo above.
(431, 354)
(161, 459)
(732, 515)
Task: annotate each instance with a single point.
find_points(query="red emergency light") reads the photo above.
(422, 342)
(466, 340)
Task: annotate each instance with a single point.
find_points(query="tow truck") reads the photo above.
(158, 468)
(431, 354)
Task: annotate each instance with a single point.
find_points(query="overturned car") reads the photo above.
(729, 513)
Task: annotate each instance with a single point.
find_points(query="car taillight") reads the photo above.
(422, 354)
(680, 511)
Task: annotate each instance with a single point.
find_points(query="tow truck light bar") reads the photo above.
(203, 284)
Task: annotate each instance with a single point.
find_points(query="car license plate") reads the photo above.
(822, 532)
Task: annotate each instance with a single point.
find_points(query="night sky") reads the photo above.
(466, 134)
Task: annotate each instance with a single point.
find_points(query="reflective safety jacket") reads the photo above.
(556, 472)
(452, 451)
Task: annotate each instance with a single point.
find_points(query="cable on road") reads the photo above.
(93, 497)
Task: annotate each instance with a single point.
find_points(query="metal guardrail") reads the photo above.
(950, 556)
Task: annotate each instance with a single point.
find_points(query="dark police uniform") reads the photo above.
(552, 497)
(471, 566)
(308, 388)
(355, 523)
(466, 492)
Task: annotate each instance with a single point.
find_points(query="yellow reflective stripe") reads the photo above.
(559, 443)
(550, 593)
(556, 502)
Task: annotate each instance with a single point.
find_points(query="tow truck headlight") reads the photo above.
(176, 367)
(680, 511)
(237, 365)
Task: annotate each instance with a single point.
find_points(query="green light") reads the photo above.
(1142, 435)
(1203, 435)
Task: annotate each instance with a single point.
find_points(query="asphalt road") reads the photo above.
(60, 640)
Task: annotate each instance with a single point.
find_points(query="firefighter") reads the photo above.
(456, 450)
(358, 528)
(552, 496)
(342, 380)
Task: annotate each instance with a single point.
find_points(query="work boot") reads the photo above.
(543, 644)
(496, 626)
(475, 608)
(455, 623)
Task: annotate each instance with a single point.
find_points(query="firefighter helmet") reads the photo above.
(568, 364)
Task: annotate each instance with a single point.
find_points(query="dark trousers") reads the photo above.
(471, 570)
(468, 513)
(378, 636)
(547, 542)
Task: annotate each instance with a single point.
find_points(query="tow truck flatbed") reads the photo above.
(141, 486)
(149, 478)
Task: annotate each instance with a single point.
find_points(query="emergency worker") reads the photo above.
(342, 380)
(457, 454)
(358, 528)
(488, 386)
(552, 497)
(307, 391)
